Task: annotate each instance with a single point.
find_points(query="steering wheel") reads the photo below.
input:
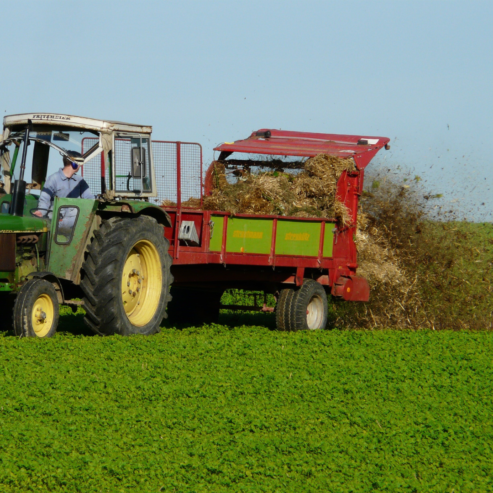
(32, 211)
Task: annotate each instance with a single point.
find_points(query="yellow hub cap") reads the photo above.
(43, 315)
(142, 283)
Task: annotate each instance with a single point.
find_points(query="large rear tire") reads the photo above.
(126, 277)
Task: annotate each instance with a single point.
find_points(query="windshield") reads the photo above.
(46, 150)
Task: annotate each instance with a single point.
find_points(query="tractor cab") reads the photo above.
(115, 158)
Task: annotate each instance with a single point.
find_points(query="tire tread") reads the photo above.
(100, 277)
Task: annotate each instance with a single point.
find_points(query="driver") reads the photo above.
(65, 183)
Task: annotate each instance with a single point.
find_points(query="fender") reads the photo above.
(121, 208)
(50, 277)
(352, 288)
(159, 214)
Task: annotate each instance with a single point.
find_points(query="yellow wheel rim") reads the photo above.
(42, 315)
(142, 283)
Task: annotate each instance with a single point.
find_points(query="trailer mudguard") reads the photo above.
(352, 288)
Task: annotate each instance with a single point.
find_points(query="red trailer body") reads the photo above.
(217, 264)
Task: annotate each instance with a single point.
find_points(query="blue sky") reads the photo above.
(418, 72)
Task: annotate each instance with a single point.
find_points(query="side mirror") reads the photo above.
(138, 166)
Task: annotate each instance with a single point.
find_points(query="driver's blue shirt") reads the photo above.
(58, 185)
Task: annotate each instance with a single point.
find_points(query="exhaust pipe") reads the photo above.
(18, 197)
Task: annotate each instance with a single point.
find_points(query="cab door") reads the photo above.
(72, 223)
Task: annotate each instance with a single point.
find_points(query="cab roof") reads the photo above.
(74, 121)
(287, 143)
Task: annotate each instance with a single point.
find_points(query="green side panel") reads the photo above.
(255, 236)
(62, 256)
(328, 239)
(12, 224)
(298, 238)
(217, 233)
(249, 235)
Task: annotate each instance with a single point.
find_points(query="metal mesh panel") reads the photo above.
(191, 170)
(164, 154)
(165, 163)
(91, 171)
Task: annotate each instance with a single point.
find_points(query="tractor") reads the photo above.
(111, 256)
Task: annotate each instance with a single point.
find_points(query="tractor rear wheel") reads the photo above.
(36, 310)
(126, 277)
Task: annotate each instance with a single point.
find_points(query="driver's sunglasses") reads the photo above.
(73, 163)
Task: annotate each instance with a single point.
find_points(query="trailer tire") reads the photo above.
(194, 307)
(283, 309)
(36, 310)
(126, 277)
(309, 307)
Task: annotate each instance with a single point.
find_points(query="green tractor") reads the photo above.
(110, 252)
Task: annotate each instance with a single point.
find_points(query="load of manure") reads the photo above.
(309, 193)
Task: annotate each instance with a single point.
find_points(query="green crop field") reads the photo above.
(241, 407)
(244, 408)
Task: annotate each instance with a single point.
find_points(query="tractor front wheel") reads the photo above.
(126, 277)
(36, 310)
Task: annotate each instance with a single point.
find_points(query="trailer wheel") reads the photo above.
(36, 310)
(309, 307)
(194, 307)
(126, 277)
(283, 309)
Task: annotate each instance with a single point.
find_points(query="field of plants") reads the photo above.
(240, 407)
